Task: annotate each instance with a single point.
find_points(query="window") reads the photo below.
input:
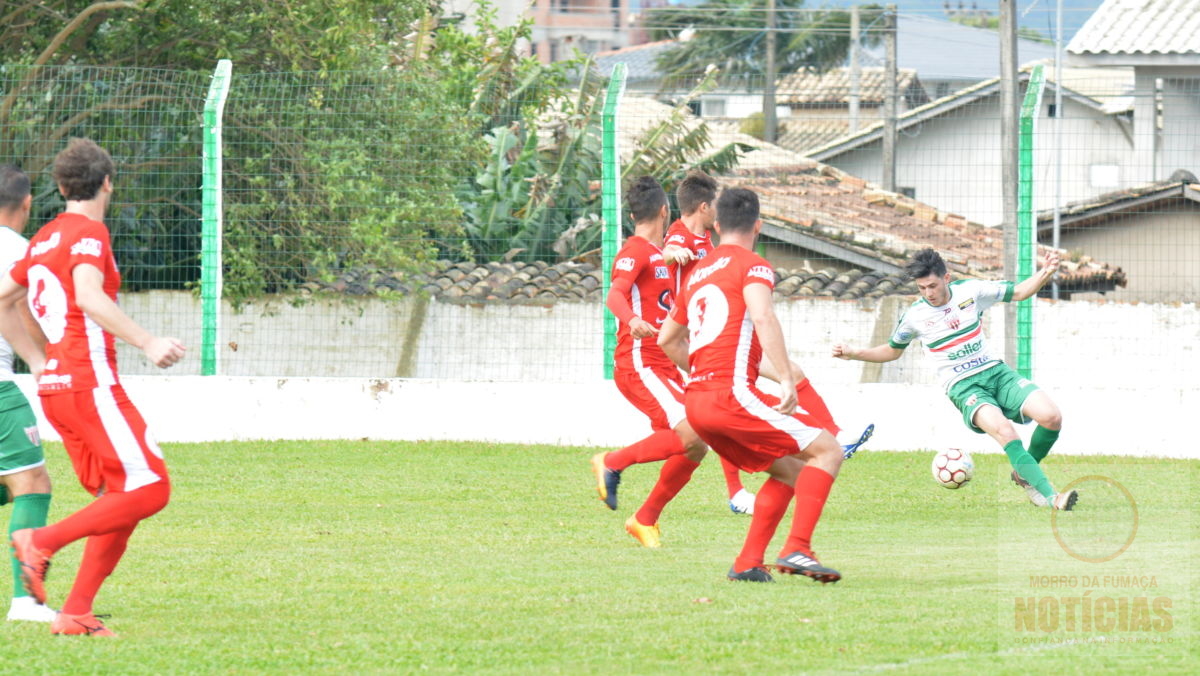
(1104, 176)
(1051, 110)
(713, 107)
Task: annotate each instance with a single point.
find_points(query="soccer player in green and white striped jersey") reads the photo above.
(947, 319)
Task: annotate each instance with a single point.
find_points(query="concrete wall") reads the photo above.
(1121, 373)
(1114, 420)
(564, 342)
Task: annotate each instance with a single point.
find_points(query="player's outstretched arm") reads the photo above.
(12, 325)
(90, 297)
(877, 354)
(1029, 287)
(673, 341)
(770, 336)
(674, 254)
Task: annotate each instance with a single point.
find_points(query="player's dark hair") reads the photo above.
(80, 168)
(924, 263)
(645, 198)
(695, 189)
(737, 210)
(14, 186)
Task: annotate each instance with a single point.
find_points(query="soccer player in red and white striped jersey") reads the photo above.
(72, 283)
(640, 298)
(721, 327)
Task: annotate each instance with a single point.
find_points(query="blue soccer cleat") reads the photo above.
(607, 480)
(849, 450)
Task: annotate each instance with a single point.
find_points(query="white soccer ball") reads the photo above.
(952, 468)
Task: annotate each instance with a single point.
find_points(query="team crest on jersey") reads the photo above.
(34, 437)
(664, 302)
(702, 253)
(661, 273)
(952, 322)
(625, 264)
(88, 246)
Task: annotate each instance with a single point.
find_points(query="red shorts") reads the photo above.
(743, 427)
(106, 438)
(655, 391)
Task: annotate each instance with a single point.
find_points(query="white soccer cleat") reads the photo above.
(1035, 497)
(742, 502)
(27, 609)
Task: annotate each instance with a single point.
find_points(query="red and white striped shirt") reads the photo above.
(79, 355)
(723, 349)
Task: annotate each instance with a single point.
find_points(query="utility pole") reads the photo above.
(1009, 151)
(889, 101)
(855, 69)
(769, 123)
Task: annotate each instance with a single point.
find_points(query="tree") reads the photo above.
(730, 35)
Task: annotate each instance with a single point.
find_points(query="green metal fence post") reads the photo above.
(1026, 235)
(610, 195)
(212, 217)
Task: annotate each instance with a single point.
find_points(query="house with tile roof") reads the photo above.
(948, 151)
(1150, 231)
(1160, 41)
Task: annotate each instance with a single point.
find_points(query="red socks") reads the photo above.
(108, 513)
(675, 474)
(658, 446)
(770, 504)
(812, 489)
(100, 557)
(733, 480)
(808, 399)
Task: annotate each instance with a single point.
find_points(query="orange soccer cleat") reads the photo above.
(79, 625)
(647, 535)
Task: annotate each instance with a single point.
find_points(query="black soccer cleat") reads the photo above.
(755, 574)
(799, 563)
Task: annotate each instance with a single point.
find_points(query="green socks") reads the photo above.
(1040, 443)
(29, 511)
(1027, 468)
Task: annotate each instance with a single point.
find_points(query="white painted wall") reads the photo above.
(1114, 420)
(1123, 375)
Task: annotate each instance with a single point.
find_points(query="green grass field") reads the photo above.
(328, 557)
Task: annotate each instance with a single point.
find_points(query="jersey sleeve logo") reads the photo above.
(88, 246)
(625, 264)
(762, 272)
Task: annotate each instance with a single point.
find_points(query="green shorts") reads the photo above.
(999, 386)
(20, 444)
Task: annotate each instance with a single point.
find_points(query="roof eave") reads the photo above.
(825, 247)
(1115, 59)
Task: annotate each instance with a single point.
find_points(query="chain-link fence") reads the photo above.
(375, 227)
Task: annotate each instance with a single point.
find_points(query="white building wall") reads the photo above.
(953, 162)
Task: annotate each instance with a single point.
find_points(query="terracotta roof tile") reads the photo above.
(869, 224)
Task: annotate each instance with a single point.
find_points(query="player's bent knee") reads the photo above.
(696, 453)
